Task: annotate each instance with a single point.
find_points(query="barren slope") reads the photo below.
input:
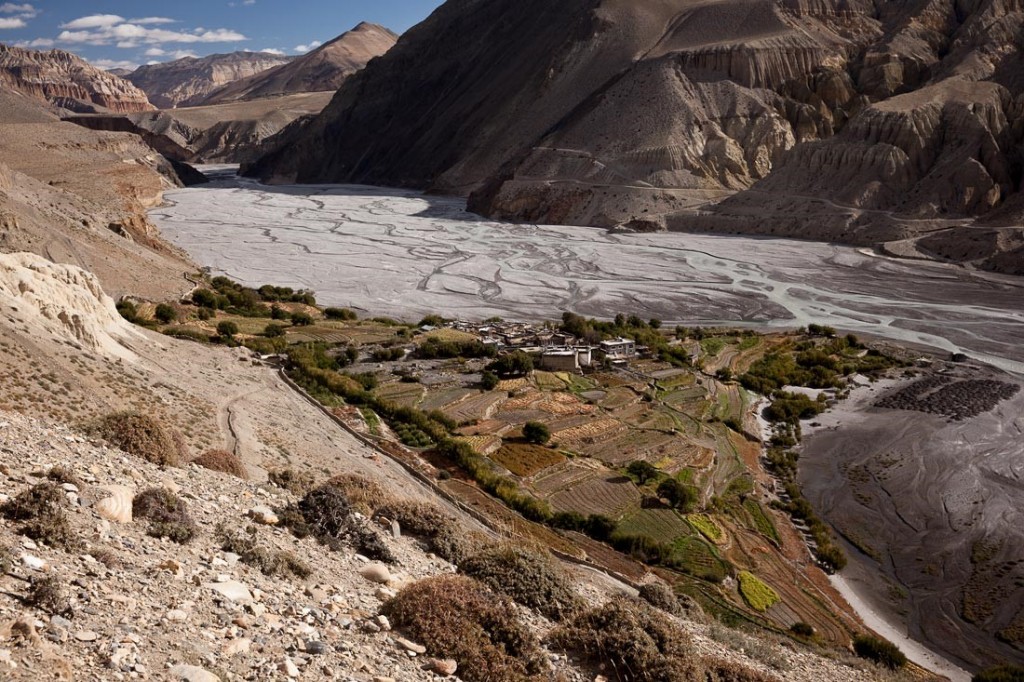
(323, 69)
(67, 81)
(191, 79)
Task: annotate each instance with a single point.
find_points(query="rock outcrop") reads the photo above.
(62, 301)
(189, 80)
(846, 121)
(68, 82)
(325, 68)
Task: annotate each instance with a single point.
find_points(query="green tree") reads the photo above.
(678, 495)
(301, 319)
(227, 329)
(489, 380)
(165, 313)
(273, 330)
(536, 432)
(278, 313)
(513, 364)
(642, 471)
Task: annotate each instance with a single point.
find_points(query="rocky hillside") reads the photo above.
(190, 80)
(78, 196)
(846, 121)
(325, 68)
(66, 81)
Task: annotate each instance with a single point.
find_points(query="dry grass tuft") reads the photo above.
(326, 514)
(63, 474)
(41, 509)
(445, 537)
(269, 562)
(142, 436)
(47, 594)
(632, 642)
(529, 577)
(458, 617)
(298, 483)
(222, 461)
(364, 495)
(167, 514)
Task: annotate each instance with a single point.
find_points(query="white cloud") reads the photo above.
(107, 31)
(307, 48)
(38, 42)
(273, 50)
(147, 21)
(155, 52)
(12, 22)
(94, 21)
(107, 64)
(25, 11)
(181, 54)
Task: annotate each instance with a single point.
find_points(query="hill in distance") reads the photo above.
(325, 68)
(842, 121)
(67, 81)
(189, 80)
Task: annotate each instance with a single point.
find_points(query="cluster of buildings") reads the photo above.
(558, 351)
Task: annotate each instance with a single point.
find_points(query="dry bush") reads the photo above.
(458, 617)
(63, 474)
(632, 641)
(41, 509)
(167, 514)
(222, 461)
(326, 514)
(661, 596)
(269, 562)
(529, 577)
(298, 483)
(142, 436)
(47, 594)
(363, 494)
(445, 536)
(105, 556)
(6, 560)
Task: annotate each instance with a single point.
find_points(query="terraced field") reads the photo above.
(661, 523)
(474, 407)
(524, 459)
(401, 393)
(611, 496)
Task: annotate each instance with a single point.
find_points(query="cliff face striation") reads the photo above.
(851, 121)
(67, 81)
(324, 68)
(187, 81)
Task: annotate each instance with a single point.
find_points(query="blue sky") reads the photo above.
(127, 33)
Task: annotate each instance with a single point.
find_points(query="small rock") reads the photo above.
(289, 668)
(232, 590)
(33, 563)
(376, 572)
(237, 646)
(265, 515)
(177, 616)
(86, 636)
(445, 667)
(410, 646)
(396, 529)
(383, 623)
(316, 648)
(192, 673)
(384, 593)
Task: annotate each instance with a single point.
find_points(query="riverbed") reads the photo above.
(405, 254)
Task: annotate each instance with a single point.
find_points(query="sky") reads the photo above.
(126, 33)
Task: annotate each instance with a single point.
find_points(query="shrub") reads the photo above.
(272, 330)
(63, 474)
(679, 495)
(723, 670)
(362, 493)
(536, 432)
(6, 560)
(631, 641)
(531, 578)
(642, 471)
(165, 313)
(1000, 673)
(802, 629)
(167, 515)
(41, 509)
(758, 595)
(269, 562)
(340, 314)
(187, 333)
(880, 651)
(142, 436)
(278, 313)
(370, 543)
(128, 311)
(458, 617)
(227, 329)
(661, 596)
(489, 380)
(301, 319)
(296, 482)
(445, 536)
(222, 461)
(204, 298)
(47, 593)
